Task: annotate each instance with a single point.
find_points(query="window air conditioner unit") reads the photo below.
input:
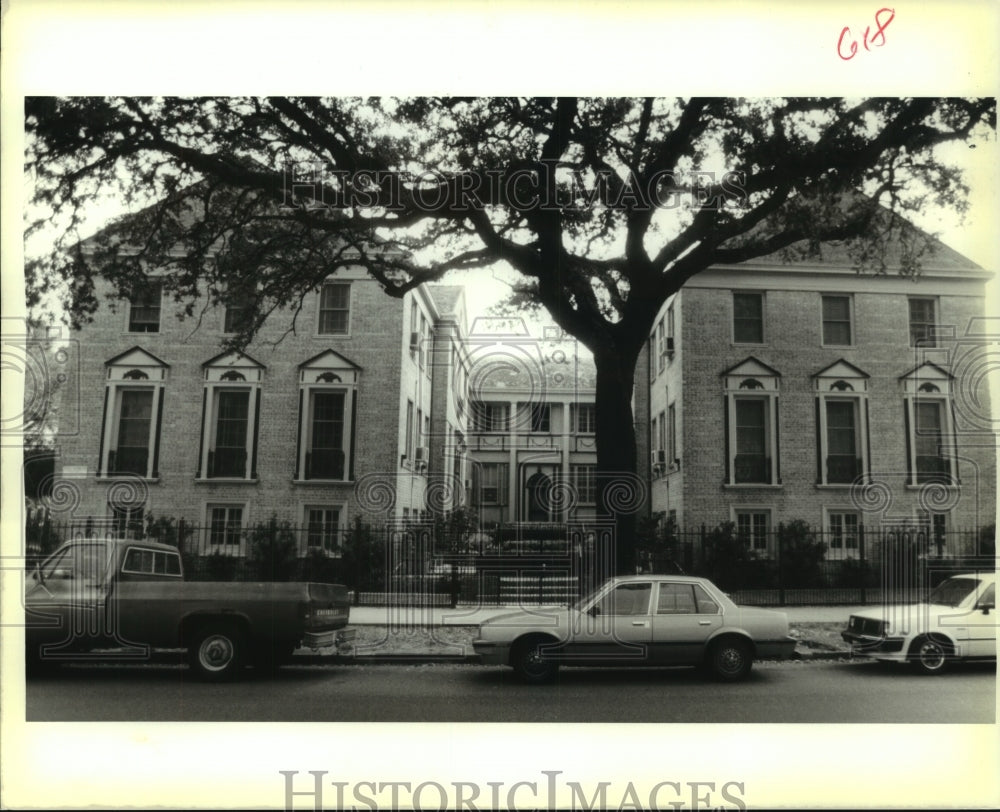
(658, 459)
(420, 456)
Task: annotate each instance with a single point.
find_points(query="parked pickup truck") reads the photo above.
(126, 597)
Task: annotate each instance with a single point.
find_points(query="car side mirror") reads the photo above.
(986, 607)
(594, 611)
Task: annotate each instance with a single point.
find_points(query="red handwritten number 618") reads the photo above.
(883, 17)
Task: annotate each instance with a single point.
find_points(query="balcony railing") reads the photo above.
(842, 469)
(326, 464)
(750, 468)
(129, 461)
(227, 462)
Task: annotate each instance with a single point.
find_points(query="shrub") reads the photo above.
(273, 550)
(801, 555)
(364, 556)
(731, 564)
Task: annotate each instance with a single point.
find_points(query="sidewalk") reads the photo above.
(474, 615)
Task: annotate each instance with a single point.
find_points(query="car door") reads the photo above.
(616, 628)
(982, 625)
(65, 600)
(685, 617)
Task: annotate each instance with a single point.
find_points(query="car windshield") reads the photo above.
(589, 598)
(953, 591)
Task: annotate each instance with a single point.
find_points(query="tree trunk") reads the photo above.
(621, 492)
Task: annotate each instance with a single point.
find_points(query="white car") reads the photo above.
(656, 620)
(958, 621)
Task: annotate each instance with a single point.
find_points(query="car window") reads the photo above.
(80, 562)
(676, 599)
(706, 605)
(627, 599)
(142, 561)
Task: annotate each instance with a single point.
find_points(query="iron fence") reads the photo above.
(430, 564)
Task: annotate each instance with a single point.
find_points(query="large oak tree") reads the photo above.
(604, 207)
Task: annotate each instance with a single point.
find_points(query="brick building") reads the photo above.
(338, 418)
(807, 391)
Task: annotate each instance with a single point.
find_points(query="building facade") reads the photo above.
(531, 425)
(809, 391)
(337, 418)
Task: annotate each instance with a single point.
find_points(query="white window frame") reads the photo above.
(232, 549)
(841, 382)
(751, 380)
(135, 370)
(580, 409)
(928, 383)
(765, 550)
(158, 282)
(584, 478)
(230, 373)
(319, 308)
(338, 528)
(850, 319)
(502, 484)
(843, 550)
(931, 339)
(327, 372)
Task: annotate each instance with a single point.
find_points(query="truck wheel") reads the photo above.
(216, 651)
(529, 663)
(730, 659)
(930, 655)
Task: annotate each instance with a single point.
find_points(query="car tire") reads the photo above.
(528, 660)
(930, 655)
(216, 651)
(730, 659)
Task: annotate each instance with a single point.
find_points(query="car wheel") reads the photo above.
(930, 655)
(216, 651)
(529, 661)
(731, 659)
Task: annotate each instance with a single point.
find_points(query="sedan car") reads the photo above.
(958, 621)
(637, 620)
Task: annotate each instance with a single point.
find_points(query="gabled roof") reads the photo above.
(937, 373)
(841, 369)
(233, 359)
(751, 366)
(136, 357)
(328, 358)
(445, 296)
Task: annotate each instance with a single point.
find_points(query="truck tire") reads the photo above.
(216, 651)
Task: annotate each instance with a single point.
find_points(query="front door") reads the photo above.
(536, 501)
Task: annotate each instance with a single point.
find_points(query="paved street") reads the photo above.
(776, 692)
